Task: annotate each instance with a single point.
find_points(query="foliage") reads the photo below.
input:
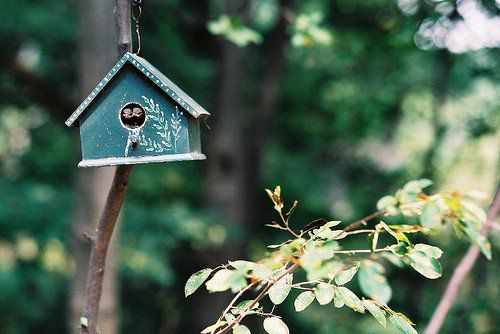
(353, 118)
(318, 250)
(232, 29)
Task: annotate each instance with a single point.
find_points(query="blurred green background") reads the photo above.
(339, 102)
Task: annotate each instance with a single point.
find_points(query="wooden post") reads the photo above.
(101, 238)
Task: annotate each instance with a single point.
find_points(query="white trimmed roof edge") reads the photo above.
(154, 75)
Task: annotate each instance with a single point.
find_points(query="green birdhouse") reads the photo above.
(137, 115)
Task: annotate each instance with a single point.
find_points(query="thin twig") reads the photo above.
(285, 222)
(413, 230)
(363, 221)
(378, 250)
(257, 299)
(460, 273)
(238, 295)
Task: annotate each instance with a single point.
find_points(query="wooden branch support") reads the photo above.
(101, 238)
(460, 273)
(100, 243)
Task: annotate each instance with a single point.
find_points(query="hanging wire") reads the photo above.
(136, 15)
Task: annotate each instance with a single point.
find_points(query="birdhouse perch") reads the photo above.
(137, 115)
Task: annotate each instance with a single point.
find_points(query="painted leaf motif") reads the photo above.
(196, 280)
(241, 329)
(324, 293)
(303, 300)
(350, 299)
(375, 311)
(401, 324)
(372, 283)
(424, 264)
(275, 325)
(345, 276)
(281, 289)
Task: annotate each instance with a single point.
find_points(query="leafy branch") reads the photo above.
(317, 251)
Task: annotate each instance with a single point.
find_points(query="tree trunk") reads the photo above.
(225, 181)
(97, 55)
(235, 147)
(260, 126)
(441, 88)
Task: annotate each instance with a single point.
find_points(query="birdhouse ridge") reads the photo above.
(153, 74)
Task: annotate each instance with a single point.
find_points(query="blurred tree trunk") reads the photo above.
(226, 150)
(235, 148)
(97, 46)
(224, 192)
(260, 126)
(441, 87)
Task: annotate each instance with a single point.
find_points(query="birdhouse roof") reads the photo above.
(154, 75)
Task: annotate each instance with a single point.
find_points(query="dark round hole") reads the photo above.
(132, 115)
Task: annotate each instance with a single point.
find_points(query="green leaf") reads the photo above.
(241, 329)
(412, 187)
(324, 293)
(220, 281)
(313, 257)
(477, 239)
(432, 251)
(274, 325)
(384, 226)
(475, 211)
(398, 249)
(326, 270)
(229, 317)
(242, 265)
(387, 203)
(196, 280)
(227, 279)
(345, 276)
(424, 264)
(372, 283)
(332, 223)
(432, 215)
(350, 299)
(424, 183)
(303, 300)
(243, 306)
(402, 237)
(373, 240)
(401, 324)
(338, 303)
(280, 290)
(233, 30)
(209, 329)
(377, 313)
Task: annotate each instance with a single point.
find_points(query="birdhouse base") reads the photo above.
(140, 160)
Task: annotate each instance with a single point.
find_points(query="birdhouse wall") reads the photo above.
(167, 129)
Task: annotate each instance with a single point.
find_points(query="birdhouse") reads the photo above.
(137, 115)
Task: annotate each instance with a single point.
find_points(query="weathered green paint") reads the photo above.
(171, 131)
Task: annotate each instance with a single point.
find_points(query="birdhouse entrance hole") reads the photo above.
(132, 116)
